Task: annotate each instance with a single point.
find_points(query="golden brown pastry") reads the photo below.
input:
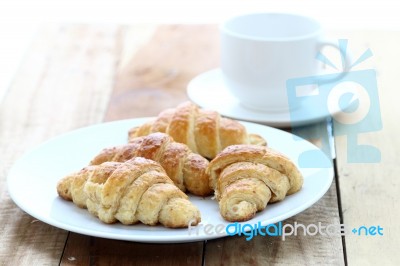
(184, 167)
(204, 131)
(137, 190)
(247, 177)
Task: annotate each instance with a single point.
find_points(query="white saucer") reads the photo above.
(209, 91)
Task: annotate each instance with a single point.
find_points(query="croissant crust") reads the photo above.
(184, 167)
(248, 177)
(135, 191)
(204, 131)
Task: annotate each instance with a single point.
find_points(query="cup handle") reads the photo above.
(346, 61)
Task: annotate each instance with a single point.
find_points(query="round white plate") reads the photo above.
(32, 185)
(209, 91)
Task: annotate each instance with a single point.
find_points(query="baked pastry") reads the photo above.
(204, 131)
(137, 190)
(184, 167)
(247, 177)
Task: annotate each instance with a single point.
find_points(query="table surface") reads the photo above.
(78, 75)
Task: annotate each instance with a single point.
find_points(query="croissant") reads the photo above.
(137, 190)
(247, 177)
(204, 131)
(184, 167)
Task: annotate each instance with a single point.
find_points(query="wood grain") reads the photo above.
(55, 90)
(84, 250)
(155, 76)
(370, 191)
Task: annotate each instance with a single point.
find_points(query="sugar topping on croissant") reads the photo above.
(185, 168)
(137, 190)
(247, 177)
(204, 131)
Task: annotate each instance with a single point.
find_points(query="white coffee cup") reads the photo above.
(261, 51)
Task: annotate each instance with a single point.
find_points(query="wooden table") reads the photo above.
(78, 75)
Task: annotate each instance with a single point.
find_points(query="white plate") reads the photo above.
(33, 178)
(209, 91)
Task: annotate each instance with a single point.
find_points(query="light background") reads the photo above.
(20, 19)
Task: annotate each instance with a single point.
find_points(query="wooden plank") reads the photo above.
(370, 191)
(84, 250)
(152, 76)
(155, 77)
(57, 88)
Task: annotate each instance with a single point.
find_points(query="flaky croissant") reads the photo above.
(137, 190)
(204, 131)
(185, 168)
(247, 177)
